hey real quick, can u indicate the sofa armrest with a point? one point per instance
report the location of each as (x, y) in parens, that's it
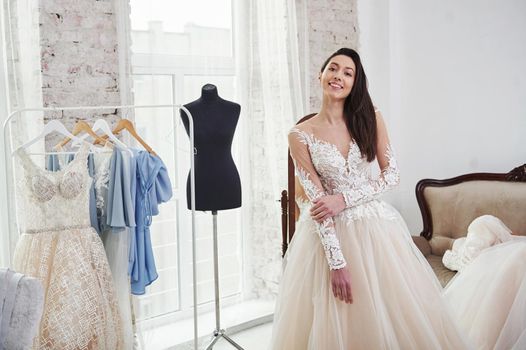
(422, 244)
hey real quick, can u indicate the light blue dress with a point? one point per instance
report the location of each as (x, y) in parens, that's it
(152, 187)
(120, 207)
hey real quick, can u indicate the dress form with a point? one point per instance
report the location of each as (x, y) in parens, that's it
(217, 182)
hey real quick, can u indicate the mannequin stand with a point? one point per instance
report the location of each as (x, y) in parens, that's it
(218, 332)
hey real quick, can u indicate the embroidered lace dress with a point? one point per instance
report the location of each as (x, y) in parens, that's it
(397, 302)
(58, 246)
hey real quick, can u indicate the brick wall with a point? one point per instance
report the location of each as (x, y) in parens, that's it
(331, 24)
(79, 59)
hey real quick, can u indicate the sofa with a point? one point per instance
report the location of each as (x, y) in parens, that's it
(449, 206)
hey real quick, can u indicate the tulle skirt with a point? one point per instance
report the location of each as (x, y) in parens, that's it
(488, 298)
(397, 300)
(80, 306)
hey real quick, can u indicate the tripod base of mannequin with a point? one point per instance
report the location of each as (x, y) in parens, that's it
(221, 334)
(218, 332)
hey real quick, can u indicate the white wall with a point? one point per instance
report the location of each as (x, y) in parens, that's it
(452, 76)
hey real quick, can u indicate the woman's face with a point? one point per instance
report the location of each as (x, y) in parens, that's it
(337, 78)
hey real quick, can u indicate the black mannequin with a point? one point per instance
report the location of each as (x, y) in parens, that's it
(217, 183)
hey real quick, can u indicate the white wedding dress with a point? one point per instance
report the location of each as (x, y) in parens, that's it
(398, 302)
(60, 248)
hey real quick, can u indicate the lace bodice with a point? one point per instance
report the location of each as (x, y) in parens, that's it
(322, 170)
(51, 201)
(350, 176)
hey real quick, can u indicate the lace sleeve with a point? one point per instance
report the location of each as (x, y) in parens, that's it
(313, 188)
(388, 179)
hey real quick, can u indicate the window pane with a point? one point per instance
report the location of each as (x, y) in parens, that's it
(156, 127)
(193, 85)
(179, 27)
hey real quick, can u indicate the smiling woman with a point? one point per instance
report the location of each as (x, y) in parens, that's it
(353, 277)
(366, 260)
(343, 75)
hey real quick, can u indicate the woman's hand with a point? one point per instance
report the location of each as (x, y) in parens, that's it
(327, 206)
(341, 285)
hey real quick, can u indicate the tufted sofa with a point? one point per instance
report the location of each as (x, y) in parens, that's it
(449, 206)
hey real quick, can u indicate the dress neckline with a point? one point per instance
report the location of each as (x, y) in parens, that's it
(22, 152)
(352, 143)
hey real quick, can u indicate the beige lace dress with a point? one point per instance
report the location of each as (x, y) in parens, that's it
(59, 247)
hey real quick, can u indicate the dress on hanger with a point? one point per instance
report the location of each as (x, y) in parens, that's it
(151, 187)
(397, 301)
(59, 247)
(112, 214)
(118, 219)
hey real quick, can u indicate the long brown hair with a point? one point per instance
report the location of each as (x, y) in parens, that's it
(358, 108)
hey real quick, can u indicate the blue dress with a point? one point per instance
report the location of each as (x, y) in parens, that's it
(120, 207)
(152, 187)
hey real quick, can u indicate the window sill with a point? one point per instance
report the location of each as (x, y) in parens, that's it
(179, 335)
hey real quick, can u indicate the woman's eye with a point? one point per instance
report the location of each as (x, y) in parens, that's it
(331, 69)
(348, 74)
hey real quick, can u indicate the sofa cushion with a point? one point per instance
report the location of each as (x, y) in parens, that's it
(439, 244)
(422, 244)
(444, 275)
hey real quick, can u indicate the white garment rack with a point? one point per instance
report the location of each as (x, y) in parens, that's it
(7, 154)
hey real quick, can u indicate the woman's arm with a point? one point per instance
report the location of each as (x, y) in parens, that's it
(309, 180)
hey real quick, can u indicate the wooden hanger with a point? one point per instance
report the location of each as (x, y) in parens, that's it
(126, 124)
(81, 126)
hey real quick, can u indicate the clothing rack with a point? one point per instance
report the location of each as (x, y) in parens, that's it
(8, 147)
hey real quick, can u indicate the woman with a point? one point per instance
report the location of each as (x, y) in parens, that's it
(367, 286)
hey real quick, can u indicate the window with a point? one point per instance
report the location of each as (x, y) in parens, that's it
(177, 47)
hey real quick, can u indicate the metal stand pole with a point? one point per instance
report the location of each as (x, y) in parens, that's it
(218, 332)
